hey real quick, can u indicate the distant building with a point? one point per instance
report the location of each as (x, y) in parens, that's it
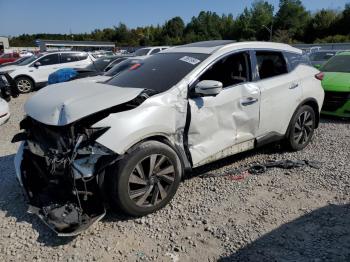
(74, 45)
(4, 43)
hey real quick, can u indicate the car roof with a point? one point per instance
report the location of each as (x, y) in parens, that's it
(210, 47)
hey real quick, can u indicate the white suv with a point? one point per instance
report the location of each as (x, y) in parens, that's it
(34, 71)
(129, 141)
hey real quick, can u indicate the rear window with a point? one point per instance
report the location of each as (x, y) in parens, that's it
(321, 56)
(159, 72)
(339, 63)
(271, 64)
(142, 52)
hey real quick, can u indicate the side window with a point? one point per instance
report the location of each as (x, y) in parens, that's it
(154, 51)
(67, 58)
(296, 59)
(271, 64)
(49, 60)
(230, 70)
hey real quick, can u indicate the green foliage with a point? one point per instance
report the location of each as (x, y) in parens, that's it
(292, 23)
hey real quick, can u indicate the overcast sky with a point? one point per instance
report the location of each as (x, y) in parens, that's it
(46, 16)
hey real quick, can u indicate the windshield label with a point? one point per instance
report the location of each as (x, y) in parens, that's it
(190, 60)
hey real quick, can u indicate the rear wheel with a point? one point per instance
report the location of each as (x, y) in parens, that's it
(301, 128)
(24, 84)
(146, 179)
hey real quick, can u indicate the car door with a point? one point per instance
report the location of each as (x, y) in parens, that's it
(227, 123)
(280, 92)
(48, 64)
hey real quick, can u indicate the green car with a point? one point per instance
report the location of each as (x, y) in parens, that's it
(336, 83)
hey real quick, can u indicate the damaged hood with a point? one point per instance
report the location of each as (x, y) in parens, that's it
(64, 103)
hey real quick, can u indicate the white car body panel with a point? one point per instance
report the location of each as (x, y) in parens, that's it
(4, 111)
(64, 103)
(218, 123)
(212, 134)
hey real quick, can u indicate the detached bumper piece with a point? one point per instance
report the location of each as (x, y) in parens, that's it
(67, 220)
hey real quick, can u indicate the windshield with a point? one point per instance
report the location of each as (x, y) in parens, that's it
(339, 63)
(159, 72)
(321, 56)
(29, 60)
(122, 66)
(142, 52)
(100, 64)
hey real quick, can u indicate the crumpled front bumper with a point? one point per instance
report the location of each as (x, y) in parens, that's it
(87, 223)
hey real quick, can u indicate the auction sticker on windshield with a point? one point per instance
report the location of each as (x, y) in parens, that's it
(190, 60)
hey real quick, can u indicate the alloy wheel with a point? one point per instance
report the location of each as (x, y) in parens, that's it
(24, 86)
(151, 180)
(303, 128)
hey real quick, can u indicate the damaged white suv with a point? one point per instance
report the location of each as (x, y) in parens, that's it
(127, 142)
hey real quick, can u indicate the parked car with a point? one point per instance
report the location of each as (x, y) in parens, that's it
(7, 91)
(25, 53)
(320, 57)
(97, 68)
(336, 83)
(16, 62)
(34, 72)
(129, 141)
(114, 71)
(4, 111)
(8, 57)
(146, 51)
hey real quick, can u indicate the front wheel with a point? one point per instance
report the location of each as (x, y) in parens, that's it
(24, 85)
(147, 179)
(301, 128)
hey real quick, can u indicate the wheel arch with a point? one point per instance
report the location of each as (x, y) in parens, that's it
(162, 138)
(27, 76)
(312, 102)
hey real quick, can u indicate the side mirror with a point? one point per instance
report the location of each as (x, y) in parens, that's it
(37, 64)
(208, 87)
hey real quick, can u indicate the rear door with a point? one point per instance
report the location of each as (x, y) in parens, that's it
(74, 60)
(227, 123)
(280, 92)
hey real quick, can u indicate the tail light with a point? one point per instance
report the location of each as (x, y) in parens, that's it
(319, 76)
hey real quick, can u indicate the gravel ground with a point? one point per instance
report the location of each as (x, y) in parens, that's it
(296, 215)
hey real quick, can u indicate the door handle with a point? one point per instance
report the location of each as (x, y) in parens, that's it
(294, 85)
(249, 101)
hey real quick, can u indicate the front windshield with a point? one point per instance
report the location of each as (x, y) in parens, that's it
(159, 72)
(100, 64)
(29, 60)
(142, 52)
(339, 63)
(122, 66)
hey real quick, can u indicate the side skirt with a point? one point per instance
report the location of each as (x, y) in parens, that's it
(232, 150)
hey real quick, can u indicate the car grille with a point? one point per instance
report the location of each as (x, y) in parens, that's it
(335, 100)
(55, 138)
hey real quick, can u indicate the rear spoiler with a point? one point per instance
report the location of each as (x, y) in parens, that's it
(8, 87)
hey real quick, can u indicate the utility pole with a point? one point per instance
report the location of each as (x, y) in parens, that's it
(269, 29)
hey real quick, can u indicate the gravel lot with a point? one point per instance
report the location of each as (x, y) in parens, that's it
(283, 215)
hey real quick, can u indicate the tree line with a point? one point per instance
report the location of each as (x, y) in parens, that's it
(292, 23)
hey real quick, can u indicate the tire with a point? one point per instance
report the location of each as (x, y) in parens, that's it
(301, 128)
(24, 84)
(133, 190)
